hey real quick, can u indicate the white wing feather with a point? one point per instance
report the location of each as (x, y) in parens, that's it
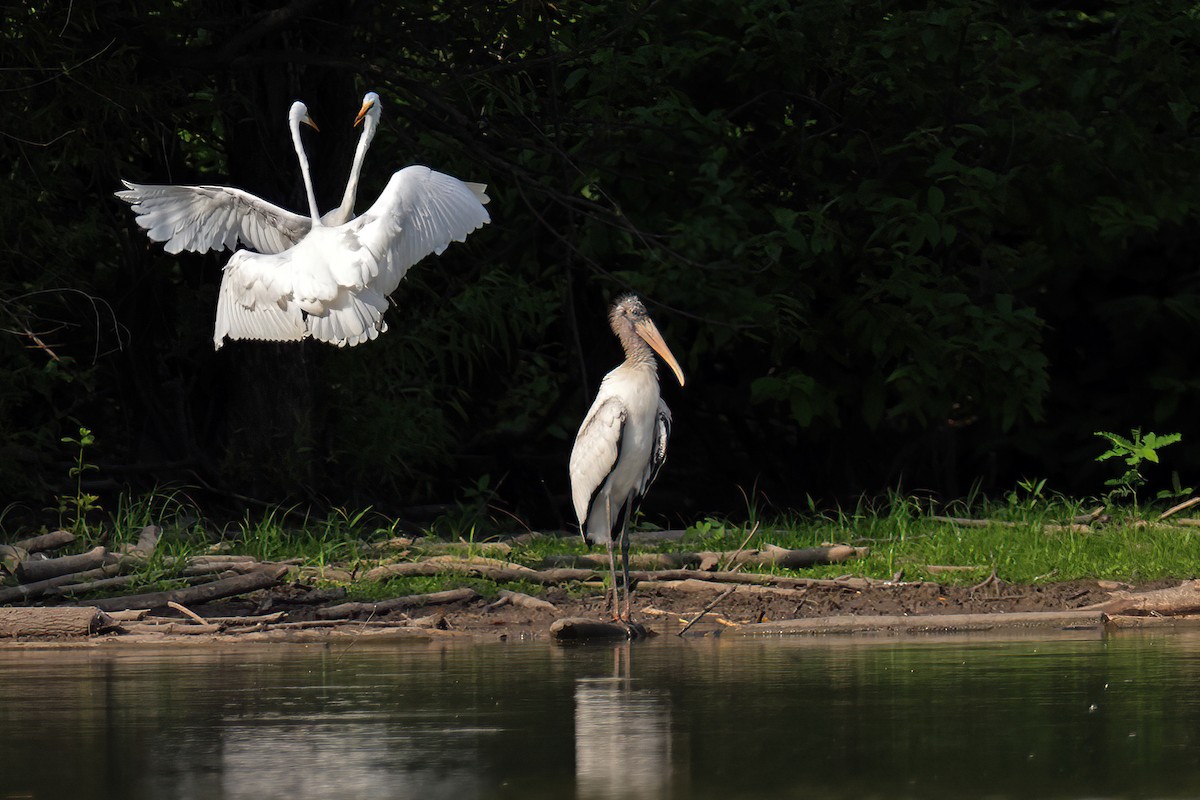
(336, 279)
(419, 212)
(597, 446)
(253, 305)
(203, 218)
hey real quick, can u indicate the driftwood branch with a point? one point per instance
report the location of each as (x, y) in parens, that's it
(967, 522)
(523, 600)
(573, 629)
(1186, 504)
(711, 605)
(52, 622)
(751, 579)
(477, 568)
(32, 570)
(47, 541)
(32, 591)
(710, 560)
(1172, 601)
(205, 592)
(926, 623)
(693, 586)
(346, 610)
(147, 541)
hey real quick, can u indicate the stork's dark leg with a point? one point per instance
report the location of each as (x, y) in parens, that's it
(625, 566)
(612, 571)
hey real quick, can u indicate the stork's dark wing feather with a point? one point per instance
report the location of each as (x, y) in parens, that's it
(662, 432)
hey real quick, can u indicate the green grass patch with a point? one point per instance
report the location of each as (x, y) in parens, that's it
(1025, 542)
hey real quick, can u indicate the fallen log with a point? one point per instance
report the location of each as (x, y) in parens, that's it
(1172, 601)
(346, 610)
(578, 629)
(46, 541)
(169, 628)
(1122, 622)
(693, 586)
(11, 557)
(459, 547)
(28, 591)
(68, 589)
(967, 522)
(523, 600)
(53, 622)
(205, 592)
(147, 541)
(707, 560)
(333, 623)
(752, 579)
(228, 622)
(507, 573)
(72, 589)
(30, 570)
(929, 623)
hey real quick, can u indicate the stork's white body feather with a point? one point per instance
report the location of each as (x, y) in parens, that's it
(622, 442)
(619, 448)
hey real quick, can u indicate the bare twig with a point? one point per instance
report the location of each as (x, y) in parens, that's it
(1177, 508)
(711, 605)
(182, 609)
(733, 558)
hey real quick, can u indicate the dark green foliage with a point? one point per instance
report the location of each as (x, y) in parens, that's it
(888, 242)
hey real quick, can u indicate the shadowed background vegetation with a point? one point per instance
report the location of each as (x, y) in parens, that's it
(916, 245)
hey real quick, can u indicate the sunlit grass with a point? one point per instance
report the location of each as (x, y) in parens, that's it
(1029, 540)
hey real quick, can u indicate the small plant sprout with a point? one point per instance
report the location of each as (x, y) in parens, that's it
(1135, 450)
(1033, 494)
(81, 503)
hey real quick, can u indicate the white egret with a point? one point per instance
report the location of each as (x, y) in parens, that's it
(622, 442)
(203, 218)
(336, 279)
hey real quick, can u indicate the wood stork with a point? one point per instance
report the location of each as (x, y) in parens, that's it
(203, 218)
(622, 442)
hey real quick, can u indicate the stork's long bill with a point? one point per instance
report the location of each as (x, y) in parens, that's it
(646, 329)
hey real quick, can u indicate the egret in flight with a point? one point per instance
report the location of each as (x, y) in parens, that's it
(622, 442)
(333, 283)
(203, 218)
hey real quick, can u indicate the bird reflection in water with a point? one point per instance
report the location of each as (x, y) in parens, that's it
(623, 742)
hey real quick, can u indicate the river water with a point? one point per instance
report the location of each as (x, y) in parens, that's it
(792, 718)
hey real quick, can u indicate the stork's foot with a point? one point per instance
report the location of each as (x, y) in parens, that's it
(633, 630)
(636, 630)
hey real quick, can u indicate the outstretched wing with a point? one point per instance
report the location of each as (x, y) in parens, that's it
(419, 212)
(255, 302)
(597, 447)
(203, 218)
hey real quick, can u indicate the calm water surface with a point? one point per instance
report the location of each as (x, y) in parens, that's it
(1085, 718)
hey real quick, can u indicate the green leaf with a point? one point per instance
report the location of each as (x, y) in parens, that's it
(937, 200)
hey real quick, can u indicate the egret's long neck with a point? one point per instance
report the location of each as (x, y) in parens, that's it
(346, 209)
(308, 185)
